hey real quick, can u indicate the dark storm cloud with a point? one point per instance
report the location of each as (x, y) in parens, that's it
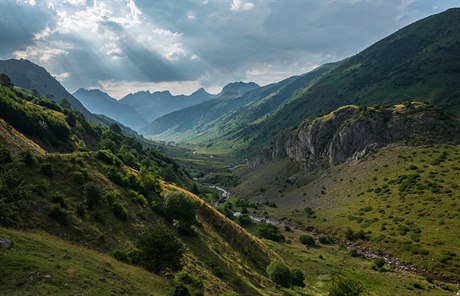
(210, 42)
(18, 24)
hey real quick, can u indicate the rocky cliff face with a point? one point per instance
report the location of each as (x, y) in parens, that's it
(353, 132)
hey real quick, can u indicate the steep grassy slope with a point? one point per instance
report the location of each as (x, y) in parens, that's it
(40, 264)
(99, 189)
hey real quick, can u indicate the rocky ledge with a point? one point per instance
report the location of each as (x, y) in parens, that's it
(352, 132)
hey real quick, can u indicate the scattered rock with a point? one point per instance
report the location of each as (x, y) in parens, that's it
(47, 276)
(6, 243)
(66, 256)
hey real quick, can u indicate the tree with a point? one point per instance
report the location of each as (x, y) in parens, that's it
(346, 287)
(279, 273)
(160, 250)
(177, 206)
(181, 210)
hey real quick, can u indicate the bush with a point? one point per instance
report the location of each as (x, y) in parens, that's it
(346, 287)
(137, 198)
(27, 158)
(194, 285)
(160, 250)
(244, 220)
(93, 194)
(307, 240)
(379, 262)
(47, 169)
(168, 174)
(5, 155)
(59, 214)
(297, 277)
(279, 273)
(119, 211)
(127, 256)
(115, 176)
(326, 239)
(309, 211)
(270, 232)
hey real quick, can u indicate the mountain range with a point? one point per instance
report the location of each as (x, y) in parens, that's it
(153, 105)
(417, 62)
(99, 102)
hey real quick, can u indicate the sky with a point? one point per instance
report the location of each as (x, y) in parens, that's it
(124, 46)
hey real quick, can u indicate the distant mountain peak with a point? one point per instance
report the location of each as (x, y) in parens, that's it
(200, 91)
(240, 86)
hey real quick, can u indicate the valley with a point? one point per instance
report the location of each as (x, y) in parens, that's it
(343, 180)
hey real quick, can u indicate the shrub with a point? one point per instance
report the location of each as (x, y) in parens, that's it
(279, 273)
(127, 256)
(307, 240)
(168, 174)
(244, 220)
(58, 214)
(5, 156)
(137, 198)
(81, 212)
(119, 211)
(79, 177)
(379, 262)
(160, 250)
(309, 211)
(194, 285)
(93, 194)
(59, 199)
(47, 169)
(115, 176)
(297, 277)
(326, 239)
(270, 232)
(346, 287)
(27, 158)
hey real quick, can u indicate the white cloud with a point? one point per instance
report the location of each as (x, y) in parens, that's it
(42, 52)
(165, 32)
(62, 76)
(43, 35)
(30, 2)
(75, 2)
(238, 5)
(191, 17)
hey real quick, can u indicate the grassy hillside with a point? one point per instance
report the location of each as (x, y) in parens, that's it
(99, 189)
(40, 264)
(405, 200)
